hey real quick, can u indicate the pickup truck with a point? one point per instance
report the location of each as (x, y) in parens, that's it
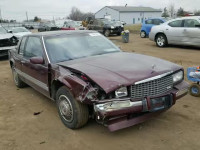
(90, 77)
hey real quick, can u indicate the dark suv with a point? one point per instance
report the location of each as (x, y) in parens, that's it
(106, 26)
(47, 26)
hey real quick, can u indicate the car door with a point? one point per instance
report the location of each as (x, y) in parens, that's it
(192, 32)
(35, 75)
(174, 32)
(148, 25)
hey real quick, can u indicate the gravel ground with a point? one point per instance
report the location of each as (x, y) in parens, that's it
(20, 129)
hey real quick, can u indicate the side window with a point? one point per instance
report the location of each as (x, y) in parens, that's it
(150, 21)
(191, 23)
(177, 23)
(33, 48)
(157, 21)
(22, 45)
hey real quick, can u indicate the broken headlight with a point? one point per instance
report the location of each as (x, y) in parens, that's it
(121, 92)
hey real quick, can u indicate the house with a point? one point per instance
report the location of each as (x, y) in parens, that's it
(128, 14)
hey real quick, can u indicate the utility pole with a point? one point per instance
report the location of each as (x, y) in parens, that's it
(26, 16)
(0, 14)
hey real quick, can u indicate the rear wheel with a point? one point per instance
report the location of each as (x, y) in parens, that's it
(18, 82)
(143, 34)
(194, 90)
(72, 113)
(161, 40)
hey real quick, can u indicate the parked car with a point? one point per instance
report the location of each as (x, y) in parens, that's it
(7, 41)
(47, 26)
(148, 24)
(72, 25)
(106, 27)
(180, 31)
(90, 77)
(20, 31)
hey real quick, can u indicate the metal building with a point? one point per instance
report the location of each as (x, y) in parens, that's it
(128, 14)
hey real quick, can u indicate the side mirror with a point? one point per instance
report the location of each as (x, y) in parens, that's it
(37, 60)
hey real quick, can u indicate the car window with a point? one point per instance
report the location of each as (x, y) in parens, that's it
(191, 23)
(157, 21)
(177, 23)
(150, 21)
(33, 48)
(22, 44)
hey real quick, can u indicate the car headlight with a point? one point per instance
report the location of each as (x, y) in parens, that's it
(121, 92)
(112, 27)
(178, 76)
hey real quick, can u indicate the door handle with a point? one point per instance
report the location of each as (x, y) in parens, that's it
(167, 29)
(185, 30)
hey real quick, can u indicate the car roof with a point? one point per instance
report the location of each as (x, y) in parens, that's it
(62, 32)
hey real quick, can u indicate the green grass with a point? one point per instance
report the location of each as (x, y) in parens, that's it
(133, 28)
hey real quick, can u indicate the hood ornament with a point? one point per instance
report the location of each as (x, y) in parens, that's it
(153, 68)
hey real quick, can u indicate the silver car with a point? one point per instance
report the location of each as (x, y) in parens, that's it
(180, 31)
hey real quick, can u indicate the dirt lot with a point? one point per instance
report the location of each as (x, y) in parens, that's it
(176, 129)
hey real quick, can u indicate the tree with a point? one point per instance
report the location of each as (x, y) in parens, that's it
(77, 15)
(172, 10)
(36, 19)
(165, 13)
(180, 12)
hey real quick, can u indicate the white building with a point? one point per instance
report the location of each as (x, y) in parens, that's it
(128, 14)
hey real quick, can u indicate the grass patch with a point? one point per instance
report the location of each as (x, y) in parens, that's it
(135, 28)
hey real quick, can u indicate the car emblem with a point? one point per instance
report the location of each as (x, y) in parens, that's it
(153, 68)
(169, 87)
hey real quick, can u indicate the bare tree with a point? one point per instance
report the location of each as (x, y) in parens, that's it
(165, 13)
(172, 10)
(180, 12)
(197, 12)
(77, 15)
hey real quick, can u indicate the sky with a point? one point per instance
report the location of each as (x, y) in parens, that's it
(49, 9)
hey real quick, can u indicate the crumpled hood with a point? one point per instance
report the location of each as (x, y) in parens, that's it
(6, 36)
(111, 71)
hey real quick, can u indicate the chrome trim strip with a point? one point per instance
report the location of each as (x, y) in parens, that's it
(7, 48)
(35, 81)
(153, 78)
(45, 50)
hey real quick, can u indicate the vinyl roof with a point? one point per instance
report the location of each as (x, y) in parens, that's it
(134, 9)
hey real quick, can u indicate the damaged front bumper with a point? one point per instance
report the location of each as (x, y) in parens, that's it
(119, 113)
(4, 50)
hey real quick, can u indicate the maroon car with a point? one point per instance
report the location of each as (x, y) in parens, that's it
(89, 77)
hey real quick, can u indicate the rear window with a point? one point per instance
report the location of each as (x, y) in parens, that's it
(177, 23)
(157, 21)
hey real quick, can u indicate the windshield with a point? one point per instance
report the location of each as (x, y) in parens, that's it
(2, 30)
(17, 30)
(69, 47)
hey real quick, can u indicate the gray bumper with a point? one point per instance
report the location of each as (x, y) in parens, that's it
(152, 36)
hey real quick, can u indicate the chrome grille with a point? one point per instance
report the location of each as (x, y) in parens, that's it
(152, 88)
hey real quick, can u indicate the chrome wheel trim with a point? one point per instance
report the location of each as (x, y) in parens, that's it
(107, 32)
(160, 41)
(65, 108)
(142, 34)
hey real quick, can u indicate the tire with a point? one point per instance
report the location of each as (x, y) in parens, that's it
(18, 82)
(194, 90)
(161, 40)
(143, 34)
(119, 33)
(73, 114)
(107, 33)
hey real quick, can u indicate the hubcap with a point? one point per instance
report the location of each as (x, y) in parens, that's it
(15, 76)
(142, 34)
(65, 108)
(107, 33)
(160, 41)
(195, 90)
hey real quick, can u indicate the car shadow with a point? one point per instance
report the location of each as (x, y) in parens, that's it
(185, 47)
(3, 58)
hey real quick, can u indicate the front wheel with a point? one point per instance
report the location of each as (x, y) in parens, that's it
(107, 33)
(194, 90)
(18, 82)
(72, 113)
(161, 40)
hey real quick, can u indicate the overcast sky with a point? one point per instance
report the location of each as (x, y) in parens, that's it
(15, 9)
